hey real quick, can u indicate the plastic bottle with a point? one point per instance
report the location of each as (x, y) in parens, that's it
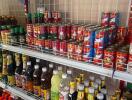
(91, 80)
(82, 77)
(78, 81)
(69, 73)
(29, 77)
(98, 81)
(50, 71)
(55, 84)
(95, 85)
(60, 72)
(37, 80)
(86, 86)
(64, 88)
(104, 92)
(45, 90)
(91, 94)
(80, 95)
(100, 96)
(103, 85)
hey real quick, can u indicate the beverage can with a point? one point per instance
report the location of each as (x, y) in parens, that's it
(68, 31)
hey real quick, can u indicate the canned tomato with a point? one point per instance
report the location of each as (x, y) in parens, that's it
(121, 34)
(62, 32)
(48, 44)
(35, 30)
(63, 47)
(47, 16)
(78, 51)
(105, 19)
(39, 43)
(30, 40)
(53, 30)
(109, 57)
(70, 49)
(98, 56)
(121, 59)
(74, 29)
(55, 46)
(30, 30)
(56, 16)
(80, 31)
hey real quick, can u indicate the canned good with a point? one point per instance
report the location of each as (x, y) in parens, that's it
(63, 47)
(62, 32)
(105, 19)
(48, 44)
(121, 59)
(30, 40)
(35, 30)
(68, 31)
(80, 31)
(40, 43)
(55, 46)
(109, 57)
(130, 63)
(53, 30)
(74, 29)
(70, 49)
(56, 16)
(47, 16)
(30, 30)
(121, 34)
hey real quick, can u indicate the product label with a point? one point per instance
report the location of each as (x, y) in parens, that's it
(86, 90)
(45, 94)
(81, 96)
(29, 85)
(23, 82)
(54, 96)
(11, 80)
(90, 97)
(37, 90)
(63, 95)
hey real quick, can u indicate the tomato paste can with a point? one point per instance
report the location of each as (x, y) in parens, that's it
(40, 43)
(47, 16)
(80, 31)
(122, 59)
(54, 30)
(35, 30)
(62, 32)
(105, 19)
(78, 51)
(74, 29)
(55, 46)
(30, 40)
(48, 44)
(98, 57)
(63, 47)
(70, 49)
(109, 57)
(30, 30)
(56, 16)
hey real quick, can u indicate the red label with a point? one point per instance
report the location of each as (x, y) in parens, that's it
(62, 32)
(63, 47)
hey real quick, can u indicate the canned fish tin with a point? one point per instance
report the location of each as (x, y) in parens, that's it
(55, 46)
(62, 32)
(63, 47)
(74, 29)
(109, 57)
(121, 59)
(70, 49)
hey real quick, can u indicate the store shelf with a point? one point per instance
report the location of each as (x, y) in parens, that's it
(18, 92)
(69, 62)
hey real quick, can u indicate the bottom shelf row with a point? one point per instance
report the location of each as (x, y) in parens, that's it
(50, 81)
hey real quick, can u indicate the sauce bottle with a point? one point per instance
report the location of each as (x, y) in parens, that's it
(100, 96)
(37, 80)
(91, 94)
(29, 77)
(91, 80)
(80, 95)
(73, 92)
(18, 71)
(45, 90)
(86, 85)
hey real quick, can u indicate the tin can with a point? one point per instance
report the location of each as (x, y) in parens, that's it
(74, 29)
(105, 19)
(47, 16)
(35, 30)
(121, 59)
(68, 31)
(40, 43)
(30, 40)
(130, 63)
(109, 57)
(80, 31)
(54, 30)
(48, 44)
(62, 32)
(121, 34)
(98, 57)
(56, 16)
(55, 46)
(30, 30)
(63, 47)
(78, 51)
(70, 49)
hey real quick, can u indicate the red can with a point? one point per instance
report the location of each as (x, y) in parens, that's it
(121, 59)
(62, 32)
(121, 34)
(74, 30)
(47, 16)
(130, 63)
(53, 30)
(105, 19)
(43, 29)
(68, 31)
(80, 31)
(35, 30)
(98, 58)
(109, 57)
(30, 40)
(48, 44)
(70, 49)
(30, 30)
(55, 46)
(63, 47)
(40, 42)
(56, 16)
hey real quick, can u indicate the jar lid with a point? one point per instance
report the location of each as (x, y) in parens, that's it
(59, 68)
(55, 72)
(37, 60)
(51, 65)
(69, 71)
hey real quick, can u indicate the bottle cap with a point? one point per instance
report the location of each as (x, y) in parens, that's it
(64, 75)
(104, 91)
(91, 90)
(98, 81)
(69, 71)
(51, 65)
(44, 69)
(37, 60)
(55, 72)
(95, 85)
(102, 77)
(81, 87)
(59, 68)
(92, 78)
(100, 96)
(36, 66)
(28, 63)
(86, 83)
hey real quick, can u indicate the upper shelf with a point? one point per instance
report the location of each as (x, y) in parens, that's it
(69, 62)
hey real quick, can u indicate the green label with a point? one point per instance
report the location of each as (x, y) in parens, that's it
(54, 96)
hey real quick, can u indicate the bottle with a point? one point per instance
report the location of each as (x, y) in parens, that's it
(38, 63)
(73, 91)
(113, 97)
(18, 71)
(100, 96)
(82, 77)
(37, 80)
(55, 83)
(45, 88)
(64, 88)
(98, 81)
(80, 95)
(60, 72)
(95, 85)
(118, 93)
(11, 70)
(50, 71)
(91, 94)
(104, 92)
(78, 81)
(103, 82)
(29, 77)
(86, 86)
(91, 80)
(23, 77)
